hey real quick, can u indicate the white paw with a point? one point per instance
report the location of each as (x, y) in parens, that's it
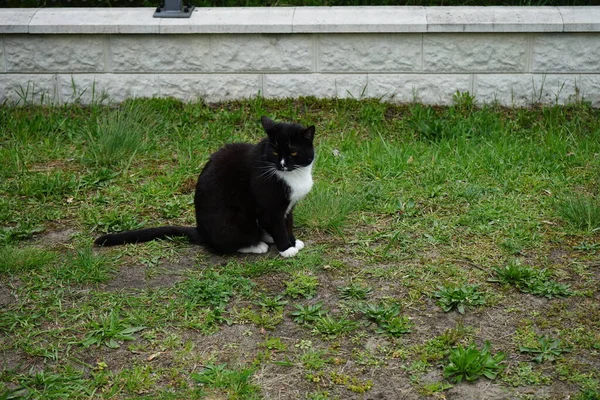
(290, 252)
(267, 238)
(260, 248)
(299, 244)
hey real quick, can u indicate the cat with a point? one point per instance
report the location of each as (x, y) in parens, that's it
(245, 195)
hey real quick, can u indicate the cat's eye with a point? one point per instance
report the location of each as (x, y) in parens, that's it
(275, 153)
(294, 154)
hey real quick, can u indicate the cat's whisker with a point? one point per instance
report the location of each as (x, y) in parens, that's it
(267, 172)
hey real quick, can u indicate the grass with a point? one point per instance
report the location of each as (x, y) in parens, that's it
(109, 331)
(581, 212)
(416, 210)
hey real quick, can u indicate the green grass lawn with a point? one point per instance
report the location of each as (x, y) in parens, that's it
(451, 252)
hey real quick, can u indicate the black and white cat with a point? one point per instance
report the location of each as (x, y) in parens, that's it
(245, 195)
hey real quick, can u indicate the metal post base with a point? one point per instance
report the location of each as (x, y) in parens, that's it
(173, 9)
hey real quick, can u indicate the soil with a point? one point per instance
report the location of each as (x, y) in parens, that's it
(390, 376)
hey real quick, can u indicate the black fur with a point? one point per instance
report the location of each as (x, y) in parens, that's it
(239, 194)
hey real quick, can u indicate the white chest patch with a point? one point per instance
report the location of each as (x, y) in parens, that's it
(300, 182)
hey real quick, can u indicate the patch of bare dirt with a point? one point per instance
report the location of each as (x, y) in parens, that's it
(6, 296)
(54, 238)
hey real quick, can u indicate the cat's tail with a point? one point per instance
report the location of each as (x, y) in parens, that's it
(148, 234)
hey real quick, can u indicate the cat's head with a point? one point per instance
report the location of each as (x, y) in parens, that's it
(289, 146)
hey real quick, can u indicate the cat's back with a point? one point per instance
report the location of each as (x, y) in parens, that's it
(230, 159)
(227, 174)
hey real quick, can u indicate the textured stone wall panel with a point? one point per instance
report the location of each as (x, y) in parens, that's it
(428, 89)
(50, 53)
(211, 88)
(265, 53)
(2, 64)
(474, 53)
(28, 89)
(370, 53)
(88, 88)
(168, 53)
(561, 53)
(527, 89)
(317, 85)
(590, 89)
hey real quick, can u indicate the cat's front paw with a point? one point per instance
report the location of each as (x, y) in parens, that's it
(299, 244)
(290, 252)
(260, 248)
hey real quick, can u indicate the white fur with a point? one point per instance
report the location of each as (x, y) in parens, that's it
(299, 244)
(300, 182)
(260, 248)
(290, 252)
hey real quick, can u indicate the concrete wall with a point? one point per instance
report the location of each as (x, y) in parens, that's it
(514, 56)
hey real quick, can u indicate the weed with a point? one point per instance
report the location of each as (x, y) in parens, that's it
(388, 318)
(514, 274)
(303, 284)
(307, 314)
(531, 280)
(314, 360)
(320, 395)
(523, 374)
(543, 286)
(271, 303)
(588, 394)
(546, 350)
(471, 363)
(331, 327)
(355, 291)
(395, 326)
(439, 347)
(266, 319)
(234, 383)
(274, 343)
(407, 208)
(380, 312)
(213, 289)
(459, 297)
(351, 383)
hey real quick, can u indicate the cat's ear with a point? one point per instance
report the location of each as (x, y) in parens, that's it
(268, 124)
(309, 133)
